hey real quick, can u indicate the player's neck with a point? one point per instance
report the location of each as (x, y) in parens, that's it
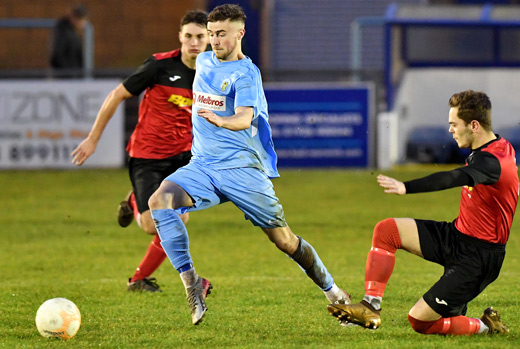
(236, 56)
(190, 63)
(483, 139)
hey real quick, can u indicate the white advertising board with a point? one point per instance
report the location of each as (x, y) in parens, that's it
(423, 95)
(42, 121)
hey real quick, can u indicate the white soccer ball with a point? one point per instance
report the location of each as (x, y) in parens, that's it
(58, 317)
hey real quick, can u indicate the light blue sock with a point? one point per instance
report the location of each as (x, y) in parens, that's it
(174, 236)
(310, 262)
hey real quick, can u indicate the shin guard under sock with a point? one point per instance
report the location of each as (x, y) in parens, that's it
(133, 204)
(381, 258)
(173, 235)
(457, 325)
(310, 262)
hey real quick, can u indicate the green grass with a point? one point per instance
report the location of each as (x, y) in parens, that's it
(60, 238)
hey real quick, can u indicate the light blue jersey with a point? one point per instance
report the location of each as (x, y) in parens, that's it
(222, 87)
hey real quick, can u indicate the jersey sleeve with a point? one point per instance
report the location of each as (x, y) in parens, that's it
(439, 181)
(246, 92)
(142, 78)
(483, 168)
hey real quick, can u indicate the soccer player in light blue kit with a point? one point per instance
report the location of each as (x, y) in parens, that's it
(233, 160)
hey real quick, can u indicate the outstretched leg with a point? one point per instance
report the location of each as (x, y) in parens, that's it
(307, 258)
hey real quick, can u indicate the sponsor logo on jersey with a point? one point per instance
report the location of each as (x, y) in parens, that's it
(208, 101)
(181, 101)
(174, 78)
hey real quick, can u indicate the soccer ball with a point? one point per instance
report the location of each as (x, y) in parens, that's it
(59, 318)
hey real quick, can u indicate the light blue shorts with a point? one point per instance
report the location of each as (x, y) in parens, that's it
(249, 188)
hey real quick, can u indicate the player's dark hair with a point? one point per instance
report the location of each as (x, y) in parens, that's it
(195, 16)
(473, 105)
(227, 11)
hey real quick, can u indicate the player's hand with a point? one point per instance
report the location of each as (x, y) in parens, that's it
(211, 117)
(391, 185)
(83, 151)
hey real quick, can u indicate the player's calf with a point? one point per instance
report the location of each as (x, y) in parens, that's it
(457, 325)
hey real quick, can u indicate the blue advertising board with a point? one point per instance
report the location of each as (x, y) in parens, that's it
(321, 127)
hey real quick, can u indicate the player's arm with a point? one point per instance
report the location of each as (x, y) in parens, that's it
(109, 107)
(482, 168)
(240, 121)
(434, 182)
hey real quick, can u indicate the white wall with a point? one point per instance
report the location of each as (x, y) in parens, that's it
(423, 96)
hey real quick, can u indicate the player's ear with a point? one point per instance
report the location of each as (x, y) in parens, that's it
(180, 36)
(241, 33)
(475, 125)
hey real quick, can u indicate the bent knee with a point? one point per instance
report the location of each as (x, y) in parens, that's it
(158, 200)
(420, 326)
(386, 235)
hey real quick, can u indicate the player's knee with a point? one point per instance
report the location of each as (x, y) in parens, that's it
(420, 326)
(153, 201)
(158, 200)
(386, 235)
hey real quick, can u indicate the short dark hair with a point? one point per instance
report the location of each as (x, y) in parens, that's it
(195, 16)
(227, 11)
(473, 105)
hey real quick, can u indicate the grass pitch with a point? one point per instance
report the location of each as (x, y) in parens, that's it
(60, 238)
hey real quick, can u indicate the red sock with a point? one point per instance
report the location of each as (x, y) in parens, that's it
(381, 258)
(151, 261)
(458, 325)
(133, 205)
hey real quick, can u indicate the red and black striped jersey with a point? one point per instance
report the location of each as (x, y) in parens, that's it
(487, 208)
(164, 127)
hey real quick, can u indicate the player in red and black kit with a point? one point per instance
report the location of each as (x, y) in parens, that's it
(161, 141)
(471, 248)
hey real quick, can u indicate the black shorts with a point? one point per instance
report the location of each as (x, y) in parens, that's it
(469, 264)
(147, 175)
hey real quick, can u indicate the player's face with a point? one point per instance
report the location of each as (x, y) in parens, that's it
(194, 39)
(225, 39)
(462, 133)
